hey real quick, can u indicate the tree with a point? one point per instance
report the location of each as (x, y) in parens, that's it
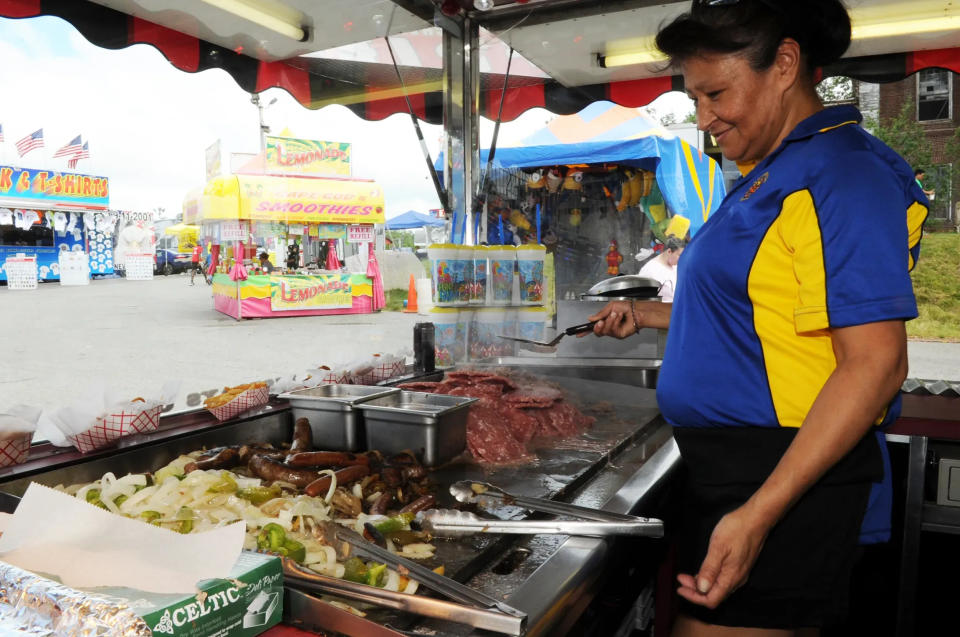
(904, 134)
(833, 90)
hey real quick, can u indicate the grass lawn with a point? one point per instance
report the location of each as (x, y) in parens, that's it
(936, 282)
(395, 299)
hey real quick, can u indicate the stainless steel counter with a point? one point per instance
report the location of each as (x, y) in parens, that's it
(619, 465)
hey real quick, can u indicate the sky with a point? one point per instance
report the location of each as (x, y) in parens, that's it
(148, 123)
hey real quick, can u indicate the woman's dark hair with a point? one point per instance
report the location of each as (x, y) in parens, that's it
(673, 244)
(755, 29)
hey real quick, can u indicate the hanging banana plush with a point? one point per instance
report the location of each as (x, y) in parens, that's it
(573, 180)
(518, 219)
(535, 180)
(636, 188)
(624, 200)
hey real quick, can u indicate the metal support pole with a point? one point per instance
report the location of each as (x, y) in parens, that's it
(460, 112)
(912, 524)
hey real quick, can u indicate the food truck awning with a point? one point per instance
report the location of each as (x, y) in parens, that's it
(291, 200)
(334, 52)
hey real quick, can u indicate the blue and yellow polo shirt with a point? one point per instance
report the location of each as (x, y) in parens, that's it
(820, 234)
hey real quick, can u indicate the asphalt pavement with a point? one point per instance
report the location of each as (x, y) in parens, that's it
(59, 344)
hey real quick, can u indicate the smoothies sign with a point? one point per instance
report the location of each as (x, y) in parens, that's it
(293, 200)
(28, 186)
(309, 157)
(310, 293)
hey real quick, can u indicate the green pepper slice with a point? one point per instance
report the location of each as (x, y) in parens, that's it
(399, 522)
(226, 484)
(271, 537)
(377, 575)
(259, 495)
(355, 570)
(295, 550)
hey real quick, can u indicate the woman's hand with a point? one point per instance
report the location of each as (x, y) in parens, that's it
(621, 319)
(615, 319)
(735, 543)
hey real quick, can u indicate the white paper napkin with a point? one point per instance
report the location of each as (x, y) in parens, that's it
(53, 533)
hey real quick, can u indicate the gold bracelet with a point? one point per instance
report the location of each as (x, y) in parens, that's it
(633, 313)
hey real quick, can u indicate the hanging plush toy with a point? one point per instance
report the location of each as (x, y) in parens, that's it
(554, 180)
(614, 259)
(624, 200)
(518, 219)
(636, 188)
(573, 180)
(535, 180)
(576, 217)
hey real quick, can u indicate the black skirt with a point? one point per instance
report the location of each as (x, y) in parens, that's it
(801, 578)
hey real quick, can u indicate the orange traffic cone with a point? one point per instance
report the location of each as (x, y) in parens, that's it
(411, 296)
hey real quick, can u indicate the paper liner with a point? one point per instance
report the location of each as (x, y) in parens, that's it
(245, 400)
(40, 605)
(110, 427)
(380, 372)
(15, 449)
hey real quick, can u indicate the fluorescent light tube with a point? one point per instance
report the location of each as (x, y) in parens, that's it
(906, 27)
(644, 56)
(865, 31)
(270, 15)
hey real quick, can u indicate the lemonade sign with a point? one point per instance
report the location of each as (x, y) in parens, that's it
(293, 156)
(310, 293)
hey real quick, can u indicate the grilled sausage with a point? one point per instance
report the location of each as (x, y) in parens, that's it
(224, 459)
(302, 436)
(391, 476)
(346, 475)
(420, 504)
(380, 506)
(269, 469)
(327, 459)
(249, 451)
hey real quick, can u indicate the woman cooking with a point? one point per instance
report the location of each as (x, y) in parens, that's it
(788, 320)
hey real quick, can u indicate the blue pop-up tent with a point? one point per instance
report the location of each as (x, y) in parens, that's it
(413, 219)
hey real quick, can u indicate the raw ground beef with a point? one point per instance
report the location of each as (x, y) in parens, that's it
(489, 438)
(426, 386)
(508, 414)
(522, 425)
(560, 420)
(491, 391)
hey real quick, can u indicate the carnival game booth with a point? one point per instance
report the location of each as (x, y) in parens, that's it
(596, 203)
(307, 226)
(52, 220)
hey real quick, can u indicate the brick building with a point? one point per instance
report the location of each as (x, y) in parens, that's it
(935, 97)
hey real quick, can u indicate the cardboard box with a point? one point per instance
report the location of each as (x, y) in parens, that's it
(247, 604)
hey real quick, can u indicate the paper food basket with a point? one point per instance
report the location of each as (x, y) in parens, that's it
(108, 428)
(15, 450)
(245, 400)
(380, 372)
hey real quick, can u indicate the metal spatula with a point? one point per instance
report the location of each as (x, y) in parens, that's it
(570, 331)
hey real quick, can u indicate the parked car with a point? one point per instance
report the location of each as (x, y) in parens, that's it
(169, 261)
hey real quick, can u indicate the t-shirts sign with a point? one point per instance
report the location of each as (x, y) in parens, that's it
(359, 234)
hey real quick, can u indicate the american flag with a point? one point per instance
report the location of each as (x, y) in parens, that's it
(72, 148)
(31, 141)
(83, 153)
(1, 132)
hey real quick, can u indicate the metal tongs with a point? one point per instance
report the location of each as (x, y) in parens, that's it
(447, 523)
(474, 608)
